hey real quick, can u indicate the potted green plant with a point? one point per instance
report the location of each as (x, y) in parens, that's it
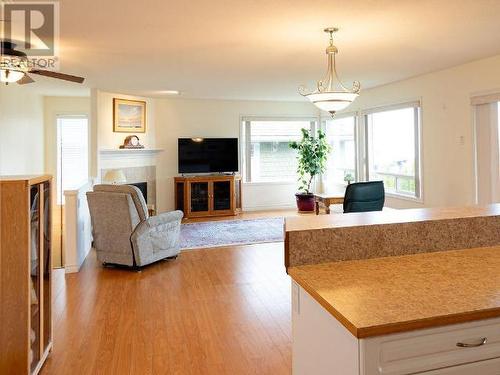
(348, 177)
(312, 155)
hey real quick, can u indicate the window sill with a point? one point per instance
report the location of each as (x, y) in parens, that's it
(270, 183)
(404, 197)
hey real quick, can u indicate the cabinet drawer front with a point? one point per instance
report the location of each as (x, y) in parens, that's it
(431, 349)
(491, 367)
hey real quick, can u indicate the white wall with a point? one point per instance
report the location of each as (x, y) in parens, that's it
(21, 131)
(77, 228)
(106, 138)
(103, 137)
(448, 152)
(178, 118)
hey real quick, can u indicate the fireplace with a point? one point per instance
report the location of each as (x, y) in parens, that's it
(143, 187)
(143, 177)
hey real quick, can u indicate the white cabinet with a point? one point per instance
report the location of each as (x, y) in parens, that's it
(321, 345)
(490, 367)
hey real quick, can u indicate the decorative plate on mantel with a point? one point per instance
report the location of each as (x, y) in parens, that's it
(131, 142)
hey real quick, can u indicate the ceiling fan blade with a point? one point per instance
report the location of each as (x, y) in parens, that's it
(51, 74)
(26, 79)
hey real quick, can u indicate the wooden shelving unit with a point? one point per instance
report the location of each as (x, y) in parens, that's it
(25, 273)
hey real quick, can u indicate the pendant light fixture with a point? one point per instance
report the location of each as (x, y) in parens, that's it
(331, 95)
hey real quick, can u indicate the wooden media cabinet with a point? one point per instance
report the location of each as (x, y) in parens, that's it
(212, 195)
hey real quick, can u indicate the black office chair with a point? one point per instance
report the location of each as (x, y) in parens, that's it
(364, 197)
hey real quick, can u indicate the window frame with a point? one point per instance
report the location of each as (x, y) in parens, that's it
(417, 107)
(361, 137)
(69, 115)
(245, 142)
(357, 141)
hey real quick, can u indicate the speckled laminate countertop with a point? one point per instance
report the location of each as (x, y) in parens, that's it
(372, 297)
(330, 238)
(414, 215)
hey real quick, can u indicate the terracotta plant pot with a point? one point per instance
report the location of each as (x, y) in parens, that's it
(305, 202)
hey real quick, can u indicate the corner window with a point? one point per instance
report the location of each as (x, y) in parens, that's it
(267, 157)
(393, 148)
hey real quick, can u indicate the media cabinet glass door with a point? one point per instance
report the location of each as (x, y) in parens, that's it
(199, 191)
(209, 198)
(46, 263)
(35, 280)
(222, 196)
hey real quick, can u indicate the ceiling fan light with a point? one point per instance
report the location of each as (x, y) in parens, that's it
(10, 76)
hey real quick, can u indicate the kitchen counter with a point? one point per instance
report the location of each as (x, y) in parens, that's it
(354, 236)
(381, 296)
(414, 215)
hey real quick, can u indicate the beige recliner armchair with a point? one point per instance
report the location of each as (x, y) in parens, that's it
(123, 231)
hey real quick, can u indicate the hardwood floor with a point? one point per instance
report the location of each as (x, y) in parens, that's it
(211, 311)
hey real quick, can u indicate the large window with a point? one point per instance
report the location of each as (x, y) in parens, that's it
(72, 153)
(379, 144)
(393, 149)
(267, 157)
(341, 164)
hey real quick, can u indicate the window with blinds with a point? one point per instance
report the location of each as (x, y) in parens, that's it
(72, 153)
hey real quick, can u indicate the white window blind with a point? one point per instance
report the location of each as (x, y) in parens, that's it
(72, 153)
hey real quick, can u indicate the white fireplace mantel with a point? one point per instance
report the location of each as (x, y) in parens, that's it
(121, 158)
(130, 151)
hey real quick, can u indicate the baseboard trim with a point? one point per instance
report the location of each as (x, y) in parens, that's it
(71, 268)
(269, 207)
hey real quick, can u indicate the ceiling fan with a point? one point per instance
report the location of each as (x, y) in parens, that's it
(15, 66)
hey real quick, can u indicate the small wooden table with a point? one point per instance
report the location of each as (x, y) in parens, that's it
(328, 198)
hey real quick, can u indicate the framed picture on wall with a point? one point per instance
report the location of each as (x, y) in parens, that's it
(129, 116)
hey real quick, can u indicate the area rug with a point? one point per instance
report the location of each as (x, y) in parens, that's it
(231, 232)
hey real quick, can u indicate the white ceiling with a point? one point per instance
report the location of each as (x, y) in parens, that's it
(264, 49)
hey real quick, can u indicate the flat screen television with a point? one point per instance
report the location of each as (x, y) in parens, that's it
(208, 155)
